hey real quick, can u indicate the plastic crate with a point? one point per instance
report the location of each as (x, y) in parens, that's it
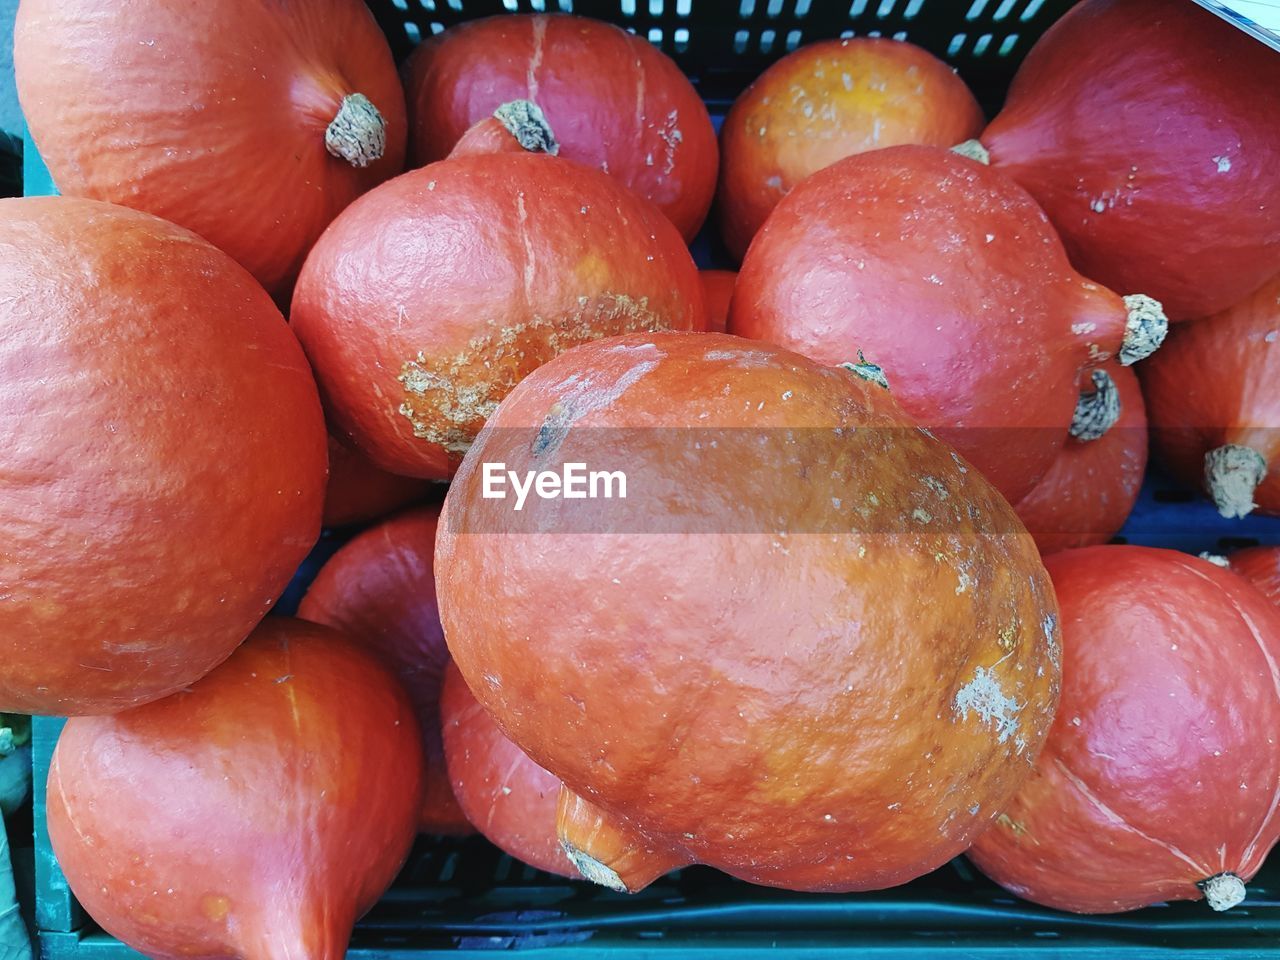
(463, 898)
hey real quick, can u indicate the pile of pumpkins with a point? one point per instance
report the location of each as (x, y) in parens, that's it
(814, 645)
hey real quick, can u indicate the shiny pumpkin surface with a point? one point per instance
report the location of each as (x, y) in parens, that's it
(948, 276)
(431, 296)
(826, 101)
(508, 797)
(164, 456)
(1091, 488)
(1162, 768)
(212, 115)
(358, 491)
(257, 814)
(1146, 130)
(380, 590)
(816, 653)
(1261, 567)
(614, 101)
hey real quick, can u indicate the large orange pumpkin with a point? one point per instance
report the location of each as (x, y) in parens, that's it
(380, 590)
(614, 100)
(431, 296)
(358, 491)
(1147, 131)
(948, 276)
(811, 647)
(258, 814)
(250, 123)
(1091, 488)
(1214, 407)
(1261, 567)
(717, 292)
(1161, 776)
(826, 101)
(163, 460)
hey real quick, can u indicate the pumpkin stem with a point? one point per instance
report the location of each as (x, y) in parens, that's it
(1222, 891)
(1217, 559)
(358, 132)
(974, 150)
(867, 370)
(1145, 329)
(607, 852)
(528, 124)
(1097, 410)
(1232, 473)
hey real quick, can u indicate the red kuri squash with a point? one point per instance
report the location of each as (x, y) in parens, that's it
(1214, 405)
(250, 123)
(805, 615)
(1091, 488)
(824, 102)
(163, 456)
(614, 100)
(358, 491)
(1261, 567)
(380, 590)
(1161, 775)
(1147, 131)
(431, 296)
(258, 814)
(717, 292)
(948, 276)
(509, 798)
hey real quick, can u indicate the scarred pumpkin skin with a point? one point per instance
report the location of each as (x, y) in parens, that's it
(826, 101)
(212, 115)
(163, 461)
(509, 798)
(1261, 567)
(1162, 767)
(798, 627)
(431, 296)
(379, 589)
(1091, 488)
(358, 491)
(1127, 124)
(1214, 408)
(258, 814)
(615, 101)
(948, 276)
(717, 291)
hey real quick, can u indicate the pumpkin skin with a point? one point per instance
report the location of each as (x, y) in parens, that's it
(826, 101)
(615, 101)
(142, 545)
(728, 697)
(717, 291)
(948, 276)
(1091, 488)
(431, 296)
(358, 491)
(319, 824)
(215, 115)
(1261, 567)
(1213, 405)
(510, 798)
(1161, 769)
(1127, 124)
(379, 589)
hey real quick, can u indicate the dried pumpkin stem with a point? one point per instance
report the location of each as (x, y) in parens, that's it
(358, 132)
(1145, 329)
(974, 150)
(1217, 559)
(1097, 410)
(1232, 474)
(528, 124)
(1223, 891)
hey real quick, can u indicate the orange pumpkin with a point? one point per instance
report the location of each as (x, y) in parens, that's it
(235, 818)
(806, 614)
(164, 456)
(717, 292)
(826, 101)
(251, 123)
(1261, 567)
(358, 491)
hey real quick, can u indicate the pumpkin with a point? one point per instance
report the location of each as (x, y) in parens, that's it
(1213, 405)
(509, 798)
(1161, 774)
(258, 814)
(358, 491)
(826, 101)
(1146, 130)
(947, 275)
(796, 620)
(250, 123)
(1261, 567)
(431, 296)
(717, 291)
(164, 456)
(616, 102)
(379, 589)
(1091, 488)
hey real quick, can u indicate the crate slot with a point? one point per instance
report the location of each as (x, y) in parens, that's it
(1007, 45)
(975, 11)
(957, 42)
(766, 40)
(793, 40)
(980, 45)
(885, 8)
(1032, 9)
(1002, 11)
(912, 8)
(858, 8)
